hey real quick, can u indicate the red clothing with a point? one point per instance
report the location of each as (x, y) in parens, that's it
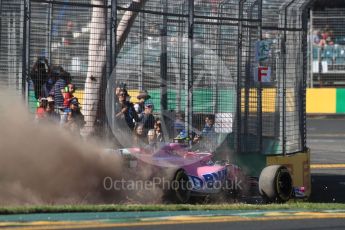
(40, 112)
(67, 99)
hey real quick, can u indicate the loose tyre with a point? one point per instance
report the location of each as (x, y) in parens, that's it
(275, 184)
(181, 187)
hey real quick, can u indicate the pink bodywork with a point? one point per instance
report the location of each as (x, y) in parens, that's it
(199, 166)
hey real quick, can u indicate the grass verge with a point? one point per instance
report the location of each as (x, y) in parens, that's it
(165, 207)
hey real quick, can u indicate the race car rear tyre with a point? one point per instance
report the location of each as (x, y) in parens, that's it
(275, 184)
(181, 187)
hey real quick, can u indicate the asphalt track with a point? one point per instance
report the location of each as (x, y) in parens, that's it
(278, 219)
(325, 138)
(315, 224)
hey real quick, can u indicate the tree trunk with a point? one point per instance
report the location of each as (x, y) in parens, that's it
(97, 56)
(97, 60)
(124, 26)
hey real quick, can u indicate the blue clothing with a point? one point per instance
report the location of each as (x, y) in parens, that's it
(46, 89)
(148, 120)
(128, 117)
(178, 127)
(56, 92)
(208, 131)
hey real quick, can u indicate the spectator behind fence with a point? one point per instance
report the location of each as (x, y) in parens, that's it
(68, 95)
(118, 88)
(152, 141)
(41, 109)
(158, 131)
(208, 129)
(125, 114)
(39, 75)
(63, 78)
(178, 125)
(57, 91)
(197, 142)
(316, 37)
(139, 137)
(47, 87)
(147, 117)
(140, 106)
(208, 132)
(75, 119)
(50, 114)
(325, 37)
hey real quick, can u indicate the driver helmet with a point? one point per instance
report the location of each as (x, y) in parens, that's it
(182, 137)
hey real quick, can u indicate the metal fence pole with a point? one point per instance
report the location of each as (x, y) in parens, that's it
(25, 51)
(142, 50)
(113, 32)
(164, 62)
(248, 71)
(50, 29)
(284, 55)
(257, 3)
(180, 62)
(303, 86)
(239, 74)
(303, 118)
(284, 82)
(259, 106)
(219, 62)
(0, 22)
(189, 110)
(311, 50)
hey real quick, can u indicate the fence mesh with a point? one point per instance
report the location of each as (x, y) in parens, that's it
(198, 60)
(327, 48)
(11, 37)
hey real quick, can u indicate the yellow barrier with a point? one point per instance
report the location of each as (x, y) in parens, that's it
(269, 100)
(321, 101)
(318, 100)
(80, 95)
(132, 93)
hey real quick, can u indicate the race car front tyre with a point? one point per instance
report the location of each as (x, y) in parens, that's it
(275, 184)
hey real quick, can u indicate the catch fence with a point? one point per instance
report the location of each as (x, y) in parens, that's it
(327, 48)
(242, 61)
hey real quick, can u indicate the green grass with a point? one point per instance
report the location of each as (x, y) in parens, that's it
(164, 207)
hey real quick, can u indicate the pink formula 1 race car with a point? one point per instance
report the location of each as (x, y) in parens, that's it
(194, 174)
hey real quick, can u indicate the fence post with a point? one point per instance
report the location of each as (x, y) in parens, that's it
(50, 29)
(311, 50)
(0, 21)
(284, 55)
(189, 109)
(25, 51)
(239, 74)
(142, 50)
(303, 93)
(164, 63)
(285, 74)
(305, 7)
(113, 32)
(259, 106)
(257, 3)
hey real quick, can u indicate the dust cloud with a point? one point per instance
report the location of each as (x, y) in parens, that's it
(44, 164)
